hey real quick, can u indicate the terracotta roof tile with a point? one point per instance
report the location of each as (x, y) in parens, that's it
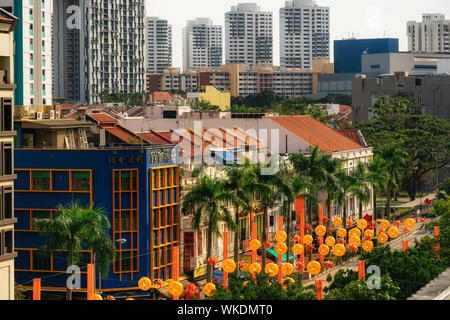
(352, 134)
(154, 138)
(121, 133)
(316, 133)
(102, 118)
(162, 96)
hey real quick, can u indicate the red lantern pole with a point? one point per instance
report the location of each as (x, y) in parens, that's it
(37, 289)
(405, 245)
(319, 291)
(361, 270)
(280, 256)
(321, 258)
(225, 257)
(254, 252)
(436, 231)
(300, 211)
(90, 280)
(175, 266)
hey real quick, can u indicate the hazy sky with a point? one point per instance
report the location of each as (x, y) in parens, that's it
(359, 18)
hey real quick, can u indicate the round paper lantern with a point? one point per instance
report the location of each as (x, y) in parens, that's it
(410, 223)
(385, 224)
(271, 269)
(367, 246)
(175, 288)
(297, 249)
(255, 268)
(229, 266)
(339, 250)
(324, 249)
(321, 230)
(280, 248)
(145, 284)
(254, 244)
(383, 238)
(330, 241)
(337, 222)
(313, 268)
(362, 224)
(280, 236)
(96, 296)
(307, 239)
(393, 232)
(287, 268)
(209, 289)
(342, 233)
(355, 232)
(354, 241)
(369, 234)
(286, 282)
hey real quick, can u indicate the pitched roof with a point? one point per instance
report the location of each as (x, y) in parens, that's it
(154, 137)
(102, 119)
(121, 133)
(354, 135)
(6, 17)
(162, 96)
(316, 133)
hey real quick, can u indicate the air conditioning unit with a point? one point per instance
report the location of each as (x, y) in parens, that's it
(38, 115)
(51, 114)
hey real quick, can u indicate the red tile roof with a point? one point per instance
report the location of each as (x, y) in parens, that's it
(154, 138)
(316, 133)
(343, 108)
(121, 133)
(352, 134)
(103, 119)
(162, 96)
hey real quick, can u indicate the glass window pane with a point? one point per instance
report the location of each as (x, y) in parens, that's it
(134, 180)
(125, 180)
(41, 180)
(116, 221)
(155, 258)
(41, 261)
(116, 181)
(81, 181)
(125, 220)
(126, 261)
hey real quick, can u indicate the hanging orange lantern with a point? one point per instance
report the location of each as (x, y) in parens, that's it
(362, 224)
(280, 248)
(96, 296)
(382, 237)
(307, 239)
(286, 282)
(254, 244)
(287, 268)
(280, 236)
(355, 232)
(342, 232)
(321, 230)
(367, 246)
(324, 249)
(410, 223)
(145, 284)
(228, 266)
(297, 249)
(354, 241)
(385, 224)
(330, 241)
(255, 268)
(369, 234)
(175, 288)
(313, 268)
(209, 289)
(339, 250)
(271, 269)
(393, 232)
(337, 222)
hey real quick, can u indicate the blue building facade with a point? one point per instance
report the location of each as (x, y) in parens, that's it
(347, 53)
(139, 191)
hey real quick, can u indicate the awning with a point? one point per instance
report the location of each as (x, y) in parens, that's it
(275, 254)
(218, 274)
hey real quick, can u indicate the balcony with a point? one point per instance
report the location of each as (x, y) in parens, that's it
(4, 82)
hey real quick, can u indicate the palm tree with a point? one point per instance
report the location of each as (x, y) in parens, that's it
(361, 188)
(346, 183)
(332, 166)
(74, 228)
(377, 176)
(207, 202)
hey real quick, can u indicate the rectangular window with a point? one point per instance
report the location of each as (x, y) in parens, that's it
(116, 181)
(81, 181)
(41, 180)
(7, 159)
(125, 180)
(125, 220)
(126, 261)
(199, 242)
(41, 261)
(39, 215)
(9, 242)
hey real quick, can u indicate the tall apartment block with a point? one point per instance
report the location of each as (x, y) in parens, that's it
(8, 23)
(202, 44)
(33, 58)
(248, 35)
(159, 45)
(304, 33)
(429, 36)
(99, 46)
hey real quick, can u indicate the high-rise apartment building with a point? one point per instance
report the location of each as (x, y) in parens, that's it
(99, 46)
(33, 58)
(202, 44)
(8, 23)
(159, 45)
(432, 35)
(248, 35)
(304, 33)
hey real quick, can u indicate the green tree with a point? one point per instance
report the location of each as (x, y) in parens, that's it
(444, 189)
(207, 202)
(76, 227)
(377, 176)
(361, 186)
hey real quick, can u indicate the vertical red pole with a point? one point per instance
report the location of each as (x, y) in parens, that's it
(175, 266)
(37, 289)
(319, 291)
(436, 231)
(405, 245)
(361, 270)
(90, 280)
(254, 252)
(300, 210)
(321, 257)
(280, 257)
(225, 257)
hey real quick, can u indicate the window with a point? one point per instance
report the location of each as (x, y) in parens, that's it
(81, 181)
(41, 180)
(6, 114)
(41, 261)
(125, 181)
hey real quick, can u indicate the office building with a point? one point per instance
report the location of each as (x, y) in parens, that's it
(248, 35)
(159, 45)
(202, 44)
(304, 33)
(432, 35)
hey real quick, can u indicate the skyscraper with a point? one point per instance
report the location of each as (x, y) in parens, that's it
(159, 45)
(304, 33)
(202, 44)
(99, 46)
(248, 35)
(429, 36)
(33, 58)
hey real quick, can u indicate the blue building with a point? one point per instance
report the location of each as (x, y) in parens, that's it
(137, 186)
(347, 53)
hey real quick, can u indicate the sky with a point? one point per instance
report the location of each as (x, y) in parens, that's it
(348, 18)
